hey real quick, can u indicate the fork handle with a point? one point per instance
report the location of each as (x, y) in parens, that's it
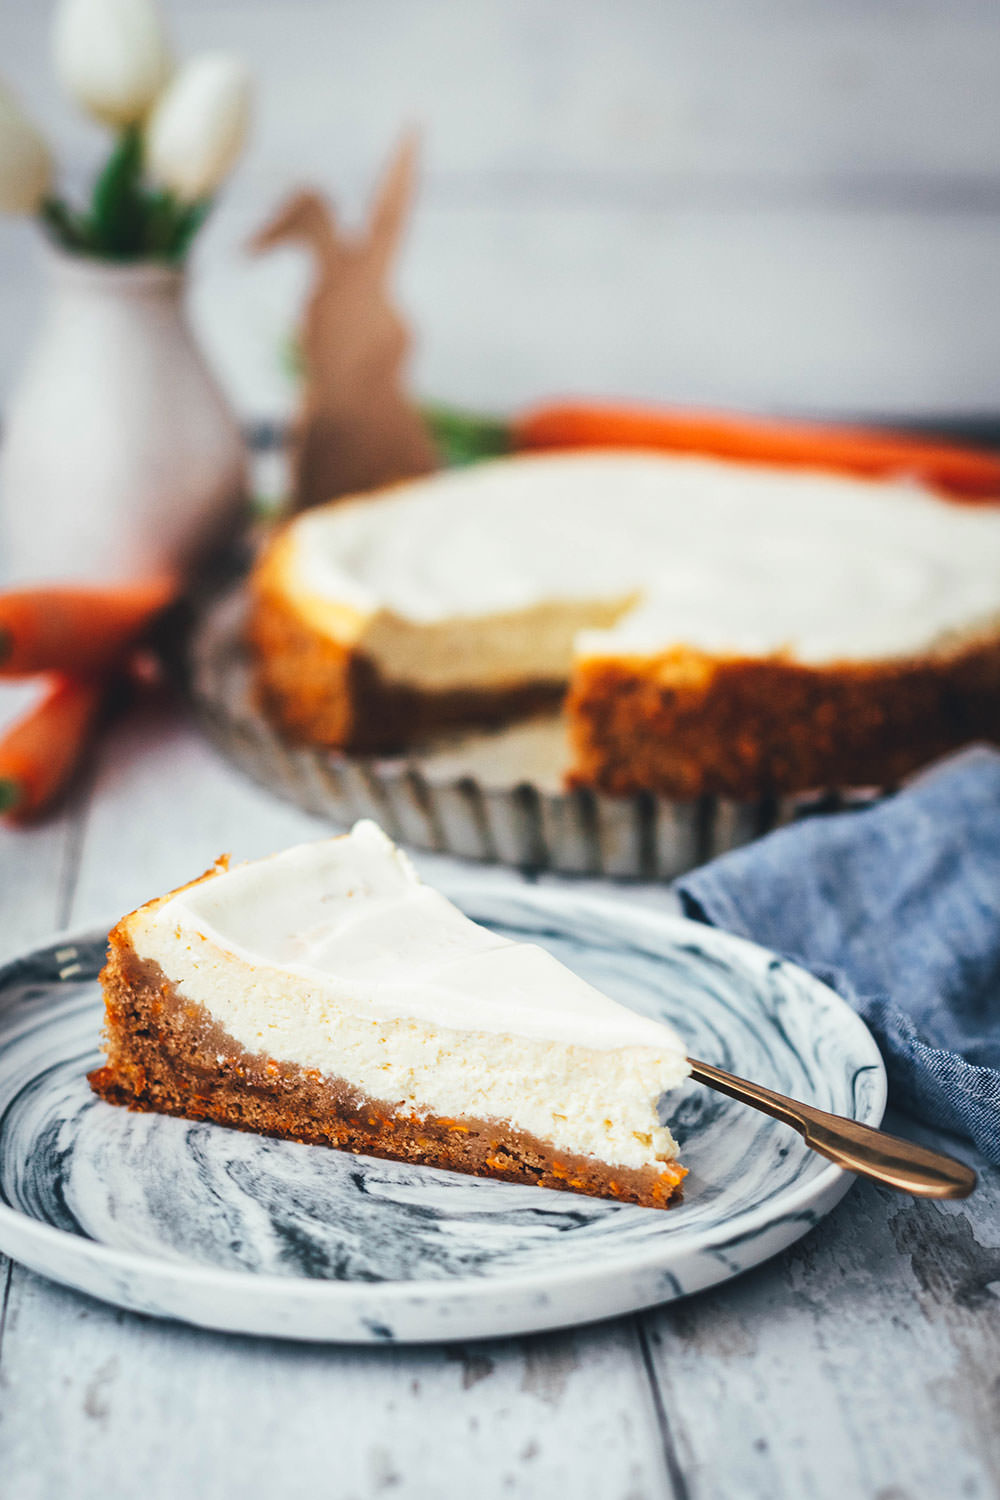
(855, 1147)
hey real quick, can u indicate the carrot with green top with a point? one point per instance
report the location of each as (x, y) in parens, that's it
(40, 752)
(77, 630)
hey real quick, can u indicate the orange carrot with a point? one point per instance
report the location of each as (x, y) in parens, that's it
(73, 629)
(39, 753)
(969, 473)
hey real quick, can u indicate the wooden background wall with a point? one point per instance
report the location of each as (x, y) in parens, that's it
(772, 203)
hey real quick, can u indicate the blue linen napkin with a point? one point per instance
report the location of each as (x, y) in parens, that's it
(898, 908)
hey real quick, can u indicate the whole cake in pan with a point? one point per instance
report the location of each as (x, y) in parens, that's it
(714, 627)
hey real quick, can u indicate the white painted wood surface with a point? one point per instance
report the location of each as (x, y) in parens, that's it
(863, 1362)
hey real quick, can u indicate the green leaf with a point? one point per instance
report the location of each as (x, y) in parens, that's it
(466, 437)
(189, 220)
(65, 226)
(160, 211)
(127, 219)
(118, 209)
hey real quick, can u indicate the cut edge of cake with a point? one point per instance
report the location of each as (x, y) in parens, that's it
(323, 688)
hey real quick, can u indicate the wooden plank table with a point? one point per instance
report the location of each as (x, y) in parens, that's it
(865, 1361)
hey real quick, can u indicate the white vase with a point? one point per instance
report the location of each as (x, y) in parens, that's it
(121, 457)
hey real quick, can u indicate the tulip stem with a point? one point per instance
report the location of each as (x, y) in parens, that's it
(118, 211)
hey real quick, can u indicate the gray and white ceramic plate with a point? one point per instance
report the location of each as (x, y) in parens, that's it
(252, 1235)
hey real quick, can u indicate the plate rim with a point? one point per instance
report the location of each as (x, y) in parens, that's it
(749, 1221)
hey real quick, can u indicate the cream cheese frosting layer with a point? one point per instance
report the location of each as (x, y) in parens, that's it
(501, 572)
(350, 918)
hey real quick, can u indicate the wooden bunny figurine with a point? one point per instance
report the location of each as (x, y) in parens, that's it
(356, 429)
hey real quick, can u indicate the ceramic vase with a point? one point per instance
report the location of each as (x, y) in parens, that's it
(121, 457)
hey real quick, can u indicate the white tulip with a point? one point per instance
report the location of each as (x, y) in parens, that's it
(111, 56)
(25, 163)
(199, 125)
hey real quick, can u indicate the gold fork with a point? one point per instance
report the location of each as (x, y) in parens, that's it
(855, 1147)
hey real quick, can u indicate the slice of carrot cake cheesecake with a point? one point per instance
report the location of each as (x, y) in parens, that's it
(327, 995)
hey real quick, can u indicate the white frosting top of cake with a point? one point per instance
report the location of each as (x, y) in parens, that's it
(654, 551)
(349, 918)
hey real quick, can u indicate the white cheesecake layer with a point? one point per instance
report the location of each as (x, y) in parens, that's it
(334, 956)
(502, 572)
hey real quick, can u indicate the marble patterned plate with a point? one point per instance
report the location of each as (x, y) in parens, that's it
(242, 1233)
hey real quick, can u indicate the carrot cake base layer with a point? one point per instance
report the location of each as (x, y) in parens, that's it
(168, 1055)
(685, 724)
